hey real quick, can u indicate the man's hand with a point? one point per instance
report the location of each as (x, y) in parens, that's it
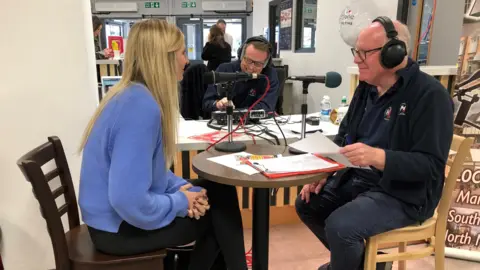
(222, 103)
(360, 154)
(310, 188)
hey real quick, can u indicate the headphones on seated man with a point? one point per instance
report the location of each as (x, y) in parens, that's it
(241, 50)
(395, 50)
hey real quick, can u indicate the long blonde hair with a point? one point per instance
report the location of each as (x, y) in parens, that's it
(150, 59)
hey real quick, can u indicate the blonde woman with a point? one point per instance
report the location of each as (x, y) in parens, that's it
(130, 200)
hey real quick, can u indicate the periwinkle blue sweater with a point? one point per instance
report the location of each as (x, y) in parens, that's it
(123, 175)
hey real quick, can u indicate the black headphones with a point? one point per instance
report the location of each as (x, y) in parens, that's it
(241, 50)
(395, 50)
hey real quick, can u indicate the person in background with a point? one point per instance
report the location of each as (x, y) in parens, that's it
(399, 125)
(216, 50)
(130, 200)
(254, 57)
(97, 29)
(223, 25)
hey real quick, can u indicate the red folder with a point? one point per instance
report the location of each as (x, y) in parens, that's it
(274, 175)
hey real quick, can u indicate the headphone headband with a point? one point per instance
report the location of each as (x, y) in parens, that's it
(388, 26)
(256, 39)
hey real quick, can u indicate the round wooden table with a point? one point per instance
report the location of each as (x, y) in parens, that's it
(261, 204)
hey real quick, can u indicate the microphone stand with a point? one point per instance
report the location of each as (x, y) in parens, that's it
(230, 146)
(304, 111)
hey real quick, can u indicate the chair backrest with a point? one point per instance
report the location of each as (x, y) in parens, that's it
(31, 166)
(461, 146)
(193, 90)
(282, 77)
(282, 74)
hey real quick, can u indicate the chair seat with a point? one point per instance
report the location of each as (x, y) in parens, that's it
(81, 250)
(410, 233)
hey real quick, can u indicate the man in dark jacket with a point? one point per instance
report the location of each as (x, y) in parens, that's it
(254, 58)
(400, 124)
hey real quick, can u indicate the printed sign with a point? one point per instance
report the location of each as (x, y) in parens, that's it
(152, 4)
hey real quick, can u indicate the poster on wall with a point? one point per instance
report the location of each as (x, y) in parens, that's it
(463, 221)
(286, 16)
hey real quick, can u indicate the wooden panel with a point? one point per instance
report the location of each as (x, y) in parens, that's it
(103, 70)
(240, 195)
(280, 197)
(193, 175)
(250, 198)
(293, 195)
(416, 38)
(444, 81)
(177, 169)
(113, 68)
(353, 85)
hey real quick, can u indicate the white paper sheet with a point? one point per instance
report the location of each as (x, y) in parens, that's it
(298, 163)
(317, 143)
(232, 162)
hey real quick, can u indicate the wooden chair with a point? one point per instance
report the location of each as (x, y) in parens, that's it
(73, 250)
(433, 229)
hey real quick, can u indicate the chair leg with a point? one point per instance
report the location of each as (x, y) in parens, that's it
(440, 255)
(402, 247)
(371, 254)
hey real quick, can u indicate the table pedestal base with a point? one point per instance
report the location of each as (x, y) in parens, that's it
(261, 216)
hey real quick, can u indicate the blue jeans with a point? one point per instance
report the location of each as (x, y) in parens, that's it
(342, 217)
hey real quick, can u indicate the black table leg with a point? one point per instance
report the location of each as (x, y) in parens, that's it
(261, 215)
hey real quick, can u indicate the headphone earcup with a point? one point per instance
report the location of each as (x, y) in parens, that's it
(393, 53)
(239, 52)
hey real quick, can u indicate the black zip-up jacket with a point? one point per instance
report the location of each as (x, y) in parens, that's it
(421, 132)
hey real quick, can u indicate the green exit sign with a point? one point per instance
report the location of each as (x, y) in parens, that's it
(307, 10)
(189, 4)
(152, 4)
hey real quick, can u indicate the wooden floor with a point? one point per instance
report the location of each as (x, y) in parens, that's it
(294, 247)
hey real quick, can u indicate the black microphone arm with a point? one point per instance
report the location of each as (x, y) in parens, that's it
(213, 77)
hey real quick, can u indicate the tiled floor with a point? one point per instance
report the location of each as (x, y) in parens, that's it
(294, 247)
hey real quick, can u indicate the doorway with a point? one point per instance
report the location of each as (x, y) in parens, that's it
(196, 32)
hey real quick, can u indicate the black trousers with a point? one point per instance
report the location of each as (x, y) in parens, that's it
(220, 231)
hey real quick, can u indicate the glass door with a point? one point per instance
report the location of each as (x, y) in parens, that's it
(235, 28)
(192, 30)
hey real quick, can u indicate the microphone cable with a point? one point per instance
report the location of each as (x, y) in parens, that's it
(242, 119)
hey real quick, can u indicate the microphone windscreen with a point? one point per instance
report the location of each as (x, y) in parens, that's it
(333, 79)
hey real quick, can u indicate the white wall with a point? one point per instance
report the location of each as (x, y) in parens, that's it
(259, 16)
(47, 87)
(331, 54)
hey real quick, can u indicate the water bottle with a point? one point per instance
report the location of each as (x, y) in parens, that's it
(325, 109)
(344, 102)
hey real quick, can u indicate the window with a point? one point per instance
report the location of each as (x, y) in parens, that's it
(306, 25)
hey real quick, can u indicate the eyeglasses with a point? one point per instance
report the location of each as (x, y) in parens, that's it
(363, 54)
(255, 63)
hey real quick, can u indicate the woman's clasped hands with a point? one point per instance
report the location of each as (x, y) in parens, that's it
(197, 201)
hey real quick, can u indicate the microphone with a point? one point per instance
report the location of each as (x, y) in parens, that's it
(331, 80)
(213, 77)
